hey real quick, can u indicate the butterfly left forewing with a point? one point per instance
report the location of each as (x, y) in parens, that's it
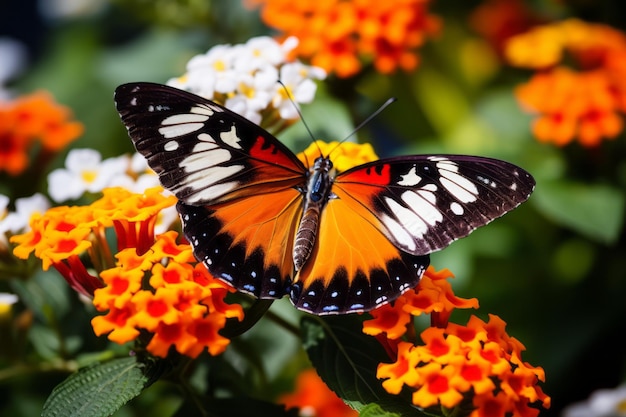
(423, 203)
(238, 186)
(203, 152)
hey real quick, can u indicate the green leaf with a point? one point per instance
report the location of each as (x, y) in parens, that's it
(346, 360)
(374, 410)
(46, 293)
(596, 211)
(101, 389)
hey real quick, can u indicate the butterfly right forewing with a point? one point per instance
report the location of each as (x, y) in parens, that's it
(423, 203)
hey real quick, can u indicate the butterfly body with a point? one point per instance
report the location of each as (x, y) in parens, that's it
(334, 242)
(316, 195)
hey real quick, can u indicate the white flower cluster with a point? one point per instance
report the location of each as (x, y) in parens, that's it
(13, 222)
(85, 171)
(601, 403)
(244, 78)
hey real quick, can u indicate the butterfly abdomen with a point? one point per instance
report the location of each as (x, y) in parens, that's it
(317, 192)
(305, 236)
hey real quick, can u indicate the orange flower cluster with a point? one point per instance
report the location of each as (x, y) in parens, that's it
(153, 284)
(313, 397)
(62, 234)
(585, 103)
(181, 304)
(477, 364)
(433, 295)
(338, 35)
(30, 118)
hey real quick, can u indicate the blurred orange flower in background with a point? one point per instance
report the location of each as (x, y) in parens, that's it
(27, 119)
(498, 20)
(340, 36)
(315, 399)
(585, 102)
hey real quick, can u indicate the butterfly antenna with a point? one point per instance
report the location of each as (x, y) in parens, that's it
(306, 126)
(364, 122)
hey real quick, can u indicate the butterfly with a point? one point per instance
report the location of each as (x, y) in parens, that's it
(334, 242)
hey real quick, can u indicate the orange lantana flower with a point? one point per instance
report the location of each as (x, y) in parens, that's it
(29, 119)
(433, 295)
(173, 305)
(152, 289)
(477, 363)
(585, 102)
(340, 35)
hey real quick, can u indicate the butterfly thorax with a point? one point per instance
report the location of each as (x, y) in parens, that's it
(317, 193)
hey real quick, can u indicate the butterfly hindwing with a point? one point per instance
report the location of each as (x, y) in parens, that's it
(203, 152)
(246, 242)
(423, 203)
(353, 267)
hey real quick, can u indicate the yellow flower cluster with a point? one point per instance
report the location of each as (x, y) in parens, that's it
(345, 155)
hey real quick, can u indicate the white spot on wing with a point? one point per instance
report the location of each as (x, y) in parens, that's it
(460, 187)
(210, 193)
(426, 210)
(456, 185)
(231, 138)
(398, 232)
(185, 118)
(174, 131)
(205, 110)
(428, 195)
(457, 208)
(410, 178)
(407, 219)
(208, 177)
(181, 124)
(172, 145)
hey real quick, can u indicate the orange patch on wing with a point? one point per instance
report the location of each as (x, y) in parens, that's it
(349, 237)
(265, 221)
(264, 178)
